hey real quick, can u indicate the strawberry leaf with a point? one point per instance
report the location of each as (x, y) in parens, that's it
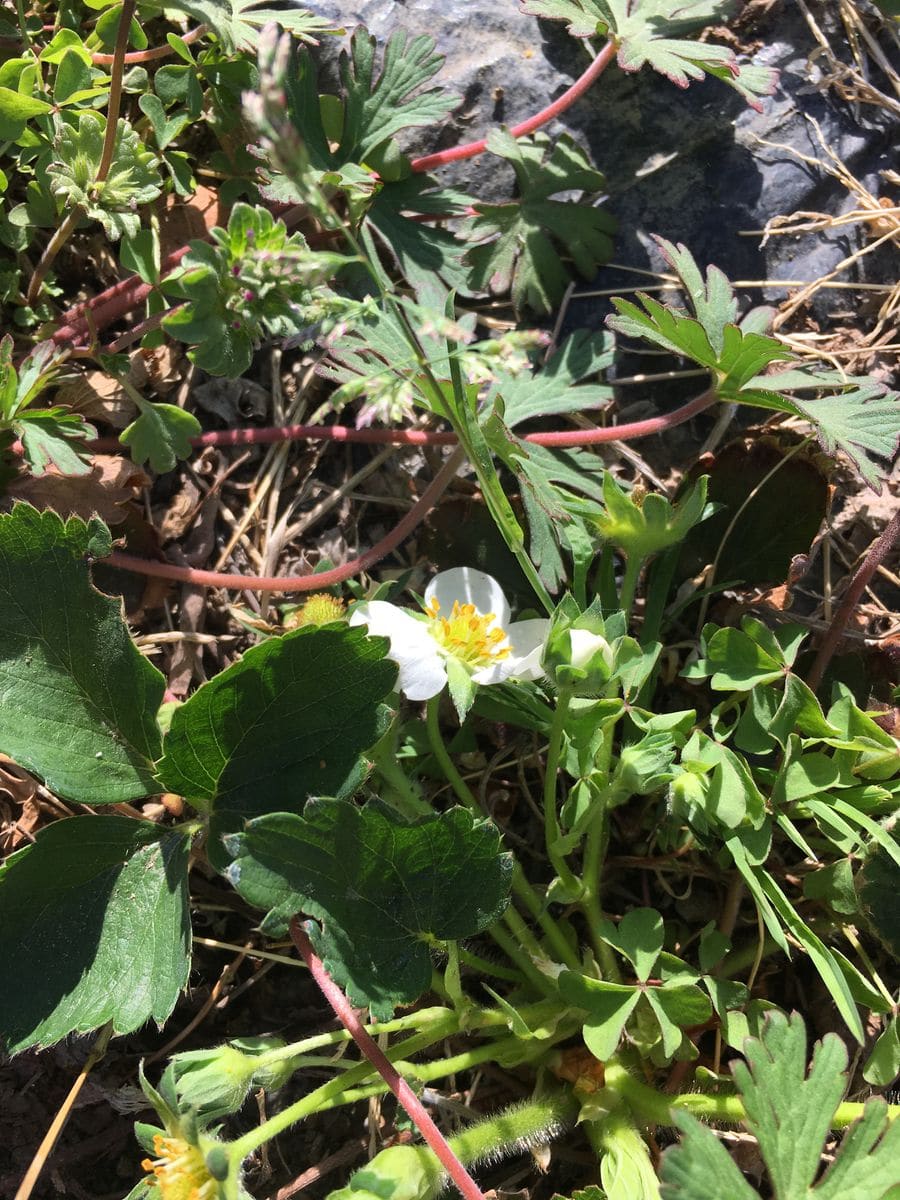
(382, 889)
(520, 242)
(646, 34)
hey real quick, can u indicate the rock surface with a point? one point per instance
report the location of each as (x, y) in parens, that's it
(687, 164)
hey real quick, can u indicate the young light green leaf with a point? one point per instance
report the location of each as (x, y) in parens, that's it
(380, 888)
(609, 1005)
(161, 435)
(288, 721)
(79, 701)
(519, 242)
(109, 939)
(790, 1111)
(133, 176)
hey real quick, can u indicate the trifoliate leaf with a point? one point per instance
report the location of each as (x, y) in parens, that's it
(380, 888)
(522, 253)
(78, 701)
(646, 32)
(288, 721)
(161, 435)
(95, 917)
(790, 1111)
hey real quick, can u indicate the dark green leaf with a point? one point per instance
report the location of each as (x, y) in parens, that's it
(379, 887)
(79, 701)
(522, 253)
(286, 722)
(551, 390)
(95, 917)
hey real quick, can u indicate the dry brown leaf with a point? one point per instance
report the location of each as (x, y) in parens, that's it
(111, 483)
(181, 221)
(20, 812)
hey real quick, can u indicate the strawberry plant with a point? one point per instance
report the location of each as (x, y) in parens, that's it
(331, 789)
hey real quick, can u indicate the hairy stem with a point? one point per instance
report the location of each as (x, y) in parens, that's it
(552, 831)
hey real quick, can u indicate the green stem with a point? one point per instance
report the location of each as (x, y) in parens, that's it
(461, 789)
(514, 952)
(511, 1051)
(654, 1108)
(552, 831)
(476, 963)
(556, 938)
(464, 793)
(629, 583)
(595, 847)
(238, 1150)
(404, 794)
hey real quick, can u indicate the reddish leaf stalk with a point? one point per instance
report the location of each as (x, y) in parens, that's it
(431, 162)
(559, 438)
(312, 582)
(875, 556)
(142, 56)
(124, 297)
(376, 1056)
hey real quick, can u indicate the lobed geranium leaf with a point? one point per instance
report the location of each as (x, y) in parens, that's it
(95, 917)
(519, 242)
(645, 32)
(288, 721)
(237, 23)
(380, 887)
(557, 386)
(161, 435)
(78, 702)
(789, 1109)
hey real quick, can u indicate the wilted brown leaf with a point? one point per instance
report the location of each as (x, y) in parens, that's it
(103, 492)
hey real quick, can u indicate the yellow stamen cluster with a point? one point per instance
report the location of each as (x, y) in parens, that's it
(466, 634)
(180, 1170)
(319, 609)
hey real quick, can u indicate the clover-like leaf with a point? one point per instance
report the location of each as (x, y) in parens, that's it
(381, 888)
(790, 1109)
(646, 33)
(133, 177)
(95, 917)
(78, 701)
(519, 242)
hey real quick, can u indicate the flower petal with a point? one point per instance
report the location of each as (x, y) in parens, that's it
(469, 586)
(527, 640)
(421, 669)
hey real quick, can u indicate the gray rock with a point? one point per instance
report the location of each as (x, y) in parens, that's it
(686, 164)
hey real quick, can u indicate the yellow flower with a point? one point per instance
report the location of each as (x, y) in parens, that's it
(179, 1170)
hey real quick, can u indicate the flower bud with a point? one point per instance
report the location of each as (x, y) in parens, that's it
(578, 659)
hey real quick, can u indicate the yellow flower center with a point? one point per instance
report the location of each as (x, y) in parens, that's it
(466, 634)
(180, 1170)
(320, 609)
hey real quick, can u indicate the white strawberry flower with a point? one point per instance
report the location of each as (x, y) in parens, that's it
(466, 620)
